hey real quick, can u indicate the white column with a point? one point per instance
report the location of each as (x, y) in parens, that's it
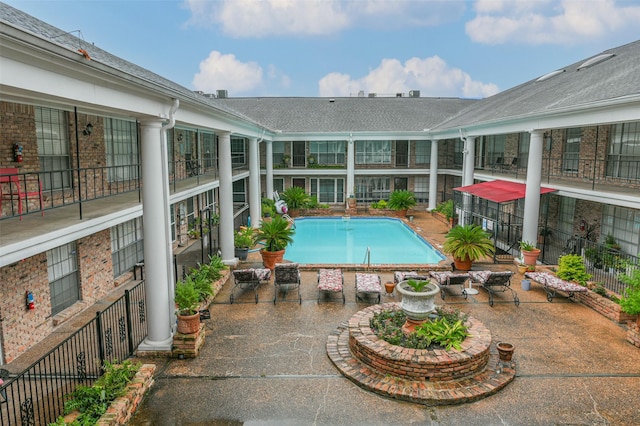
(433, 176)
(154, 209)
(254, 183)
(226, 198)
(532, 193)
(269, 170)
(351, 167)
(467, 174)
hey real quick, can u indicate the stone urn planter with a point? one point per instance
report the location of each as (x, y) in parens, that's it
(417, 305)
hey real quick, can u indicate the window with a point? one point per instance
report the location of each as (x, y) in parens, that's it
(421, 188)
(623, 224)
(278, 185)
(371, 189)
(327, 152)
(238, 156)
(120, 138)
(571, 153)
(62, 268)
(126, 246)
(423, 152)
(278, 152)
(624, 151)
(53, 148)
(328, 190)
(373, 152)
(208, 150)
(458, 155)
(567, 215)
(239, 192)
(495, 149)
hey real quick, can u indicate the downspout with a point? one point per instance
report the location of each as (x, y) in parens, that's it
(165, 178)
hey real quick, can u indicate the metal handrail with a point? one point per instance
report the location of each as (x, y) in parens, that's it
(367, 257)
(290, 219)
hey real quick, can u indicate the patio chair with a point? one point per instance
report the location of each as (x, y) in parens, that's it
(19, 188)
(446, 279)
(330, 281)
(552, 284)
(495, 282)
(249, 279)
(368, 284)
(287, 277)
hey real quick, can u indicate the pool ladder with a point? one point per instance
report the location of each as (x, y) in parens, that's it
(290, 219)
(367, 257)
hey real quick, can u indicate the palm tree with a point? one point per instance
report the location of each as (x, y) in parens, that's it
(467, 244)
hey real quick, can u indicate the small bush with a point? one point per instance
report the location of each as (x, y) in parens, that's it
(571, 268)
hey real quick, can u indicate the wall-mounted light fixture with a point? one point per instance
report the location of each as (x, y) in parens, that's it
(88, 129)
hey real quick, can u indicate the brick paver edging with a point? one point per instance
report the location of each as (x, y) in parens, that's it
(476, 368)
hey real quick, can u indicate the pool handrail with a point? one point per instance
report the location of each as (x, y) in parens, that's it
(367, 257)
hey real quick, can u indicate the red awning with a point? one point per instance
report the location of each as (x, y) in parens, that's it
(499, 191)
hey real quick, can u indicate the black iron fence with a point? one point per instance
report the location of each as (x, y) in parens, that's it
(36, 396)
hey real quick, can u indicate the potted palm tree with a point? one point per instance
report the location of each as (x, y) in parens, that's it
(276, 235)
(187, 301)
(466, 244)
(401, 201)
(296, 199)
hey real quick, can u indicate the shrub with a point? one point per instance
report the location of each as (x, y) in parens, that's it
(401, 200)
(571, 268)
(382, 204)
(630, 302)
(446, 208)
(295, 197)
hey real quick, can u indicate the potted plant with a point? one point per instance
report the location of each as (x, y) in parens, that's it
(187, 300)
(285, 160)
(243, 241)
(529, 252)
(417, 299)
(311, 160)
(466, 244)
(276, 235)
(351, 201)
(296, 198)
(401, 201)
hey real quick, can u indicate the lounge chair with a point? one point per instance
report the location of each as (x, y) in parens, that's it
(287, 277)
(399, 276)
(368, 284)
(495, 282)
(446, 279)
(551, 284)
(249, 279)
(330, 281)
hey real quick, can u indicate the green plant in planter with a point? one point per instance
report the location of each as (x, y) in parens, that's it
(382, 204)
(417, 286)
(401, 200)
(275, 234)
(295, 197)
(268, 207)
(468, 243)
(446, 334)
(527, 246)
(630, 302)
(571, 268)
(187, 298)
(243, 238)
(447, 209)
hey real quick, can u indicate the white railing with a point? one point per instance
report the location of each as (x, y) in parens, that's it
(367, 257)
(290, 219)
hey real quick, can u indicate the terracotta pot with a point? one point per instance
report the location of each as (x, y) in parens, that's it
(189, 324)
(462, 265)
(388, 287)
(530, 256)
(270, 258)
(505, 350)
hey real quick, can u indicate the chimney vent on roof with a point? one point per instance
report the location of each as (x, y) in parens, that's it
(372, 95)
(222, 94)
(361, 94)
(414, 93)
(398, 95)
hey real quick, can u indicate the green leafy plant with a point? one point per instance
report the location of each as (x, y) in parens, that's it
(92, 401)
(446, 208)
(401, 200)
(295, 197)
(451, 313)
(243, 238)
(276, 234)
(187, 297)
(468, 242)
(441, 331)
(268, 207)
(382, 204)
(527, 246)
(630, 301)
(417, 286)
(571, 268)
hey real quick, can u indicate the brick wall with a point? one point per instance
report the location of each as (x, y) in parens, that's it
(21, 328)
(95, 266)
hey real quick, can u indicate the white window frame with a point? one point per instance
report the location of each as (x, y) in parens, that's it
(373, 152)
(624, 151)
(328, 152)
(318, 189)
(423, 152)
(52, 134)
(62, 270)
(120, 139)
(126, 245)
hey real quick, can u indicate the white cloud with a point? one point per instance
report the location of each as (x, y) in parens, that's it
(432, 76)
(550, 22)
(220, 71)
(261, 18)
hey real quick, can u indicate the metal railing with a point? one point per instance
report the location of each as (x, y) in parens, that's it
(367, 257)
(36, 396)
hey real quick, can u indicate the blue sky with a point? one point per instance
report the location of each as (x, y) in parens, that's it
(469, 49)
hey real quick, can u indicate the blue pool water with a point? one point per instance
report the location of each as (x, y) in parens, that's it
(335, 240)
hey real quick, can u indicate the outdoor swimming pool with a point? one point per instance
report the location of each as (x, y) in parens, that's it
(338, 240)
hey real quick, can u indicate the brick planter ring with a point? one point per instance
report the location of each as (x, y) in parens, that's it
(420, 364)
(430, 377)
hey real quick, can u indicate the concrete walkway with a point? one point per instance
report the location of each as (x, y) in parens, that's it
(266, 364)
